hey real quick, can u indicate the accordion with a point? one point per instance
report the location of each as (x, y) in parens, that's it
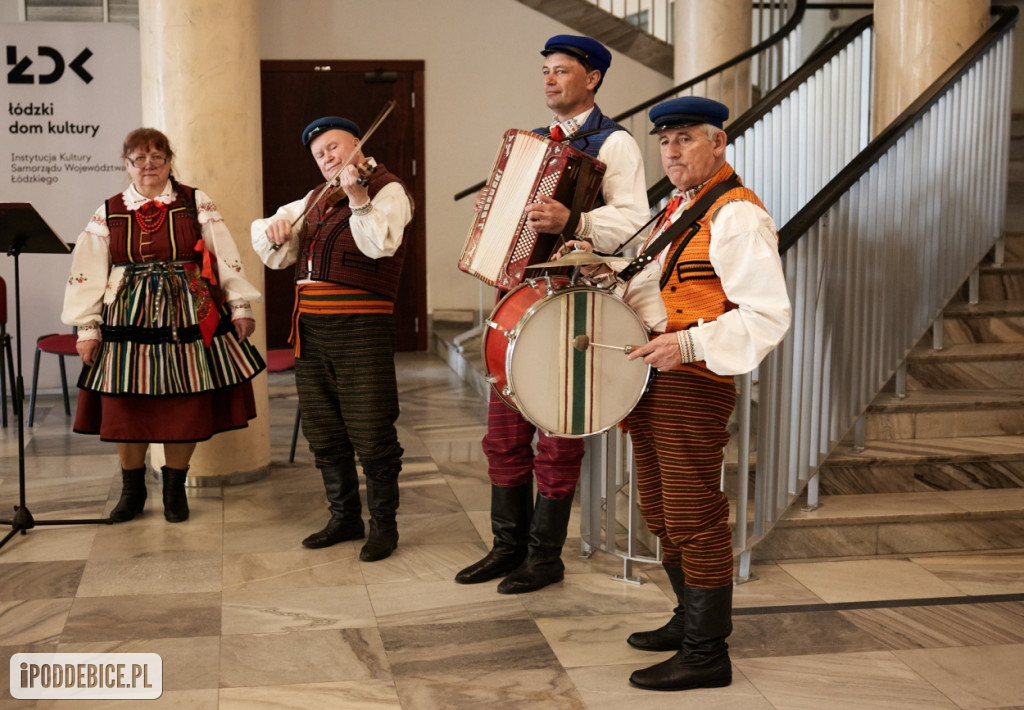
(501, 245)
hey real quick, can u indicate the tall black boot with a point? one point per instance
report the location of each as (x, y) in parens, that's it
(543, 564)
(511, 512)
(175, 502)
(382, 500)
(670, 636)
(341, 483)
(703, 661)
(133, 494)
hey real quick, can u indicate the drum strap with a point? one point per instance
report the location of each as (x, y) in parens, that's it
(690, 215)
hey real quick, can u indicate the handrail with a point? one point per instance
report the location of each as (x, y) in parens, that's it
(768, 43)
(828, 195)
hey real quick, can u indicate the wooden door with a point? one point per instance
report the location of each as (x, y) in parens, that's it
(294, 93)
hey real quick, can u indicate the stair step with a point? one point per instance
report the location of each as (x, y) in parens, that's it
(909, 523)
(1004, 282)
(967, 366)
(946, 413)
(988, 321)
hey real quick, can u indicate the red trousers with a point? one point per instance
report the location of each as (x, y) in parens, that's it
(511, 460)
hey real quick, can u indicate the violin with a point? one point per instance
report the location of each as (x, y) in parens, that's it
(366, 169)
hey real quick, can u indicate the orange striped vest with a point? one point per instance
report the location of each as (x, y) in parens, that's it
(690, 288)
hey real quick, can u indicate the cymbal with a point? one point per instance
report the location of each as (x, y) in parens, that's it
(578, 258)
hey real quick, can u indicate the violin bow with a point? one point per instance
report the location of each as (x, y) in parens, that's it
(388, 107)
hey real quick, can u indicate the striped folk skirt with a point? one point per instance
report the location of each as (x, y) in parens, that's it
(155, 379)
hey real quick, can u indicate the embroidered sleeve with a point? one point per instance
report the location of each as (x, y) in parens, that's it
(87, 280)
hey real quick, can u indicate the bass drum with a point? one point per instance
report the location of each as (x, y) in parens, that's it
(541, 359)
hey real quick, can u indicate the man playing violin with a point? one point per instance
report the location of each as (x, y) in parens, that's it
(528, 535)
(346, 245)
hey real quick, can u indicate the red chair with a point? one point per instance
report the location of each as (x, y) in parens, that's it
(6, 347)
(282, 360)
(62, 345)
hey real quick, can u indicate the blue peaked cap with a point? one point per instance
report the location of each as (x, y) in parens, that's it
(688, 111)
(584, 48)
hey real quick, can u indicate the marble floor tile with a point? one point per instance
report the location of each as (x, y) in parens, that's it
(771, 586)
(978, 574)
(33, 621)
(188, 663)
(779, 634)
(423, 563)
(352, 695)
(441, 602)
(143, 617)
(46, 543)
(132, 539)
(170, 700)
(867, 580)
(972, 677)
(288, 610)
(39, 580)
(580, 641)
(302, 657)
(166, 574)
(942, 625)
(511, 690)
(582, 594)
(292, 569)
(844, 681)
(606, 687)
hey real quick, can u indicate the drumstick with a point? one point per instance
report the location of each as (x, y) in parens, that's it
(582, 342)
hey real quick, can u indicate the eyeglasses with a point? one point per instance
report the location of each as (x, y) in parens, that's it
(157, 161)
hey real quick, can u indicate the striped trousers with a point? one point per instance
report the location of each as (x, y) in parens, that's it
(348, 395)
(679, 430)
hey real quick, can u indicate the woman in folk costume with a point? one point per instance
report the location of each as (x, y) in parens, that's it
(161, 302)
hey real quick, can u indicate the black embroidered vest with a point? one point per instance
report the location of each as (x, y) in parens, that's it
(327, 240)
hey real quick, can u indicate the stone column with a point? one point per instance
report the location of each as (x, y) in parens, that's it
(708, 34)
(201, 86)
(915, 42)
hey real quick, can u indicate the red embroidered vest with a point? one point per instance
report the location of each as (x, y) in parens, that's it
(175, 240)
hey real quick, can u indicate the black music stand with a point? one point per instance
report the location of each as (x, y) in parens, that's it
(23, 230)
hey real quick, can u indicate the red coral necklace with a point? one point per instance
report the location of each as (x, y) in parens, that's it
(151, 216)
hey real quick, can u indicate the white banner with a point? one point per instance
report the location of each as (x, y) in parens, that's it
(72, 91)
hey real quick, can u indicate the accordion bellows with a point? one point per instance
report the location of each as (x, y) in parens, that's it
(501, 245)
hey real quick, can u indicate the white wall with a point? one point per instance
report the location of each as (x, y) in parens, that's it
(482, 75)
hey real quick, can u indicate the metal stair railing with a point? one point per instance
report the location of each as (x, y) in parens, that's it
(876, 238)
(874, 258)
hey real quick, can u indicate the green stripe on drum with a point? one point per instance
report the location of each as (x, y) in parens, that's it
(581, 302)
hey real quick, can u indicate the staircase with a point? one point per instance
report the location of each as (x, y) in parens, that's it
(942, 469)
(587, 19)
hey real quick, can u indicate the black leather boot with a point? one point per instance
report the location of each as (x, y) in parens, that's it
(670, 636)
(133, 494)
(511, 512)
(341, 483)
(543, 564)
(703, 661)
(382, 501)
(175, 502)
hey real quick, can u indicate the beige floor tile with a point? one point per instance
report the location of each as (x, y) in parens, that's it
(868, 580)
(848, 681)
(606, 687)
(352, 695)
(978, 574)
(289, 610)
(972, 677)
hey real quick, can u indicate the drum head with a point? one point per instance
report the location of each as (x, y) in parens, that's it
(570, 392)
